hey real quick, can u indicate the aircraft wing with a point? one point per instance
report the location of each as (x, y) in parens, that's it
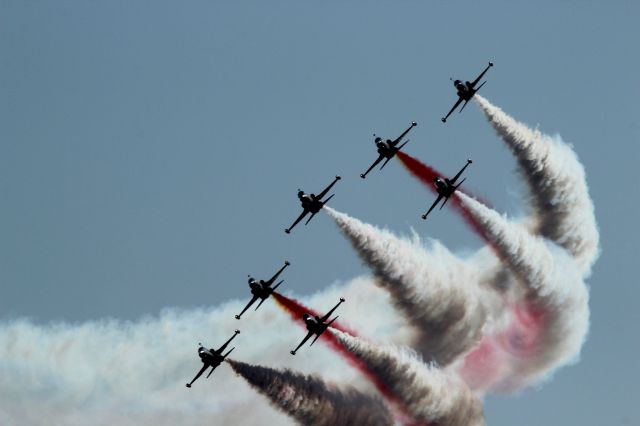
(328, 188)
(307, 337)
(375, 163)
(204, 367)
(251, 302)
(302, 215)
(328, 314)
(444, 119)
(481, 75)
(277, 274)
(424, 216)
(399, 138)
(456, 177)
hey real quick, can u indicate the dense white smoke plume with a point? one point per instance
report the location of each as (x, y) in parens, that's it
(430, 395)
(559, 195)
(500, 319)
(311, 401)
(134, 372)
(434, 289)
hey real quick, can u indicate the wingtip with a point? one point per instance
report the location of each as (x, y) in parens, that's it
(424, 217)
(342, 299)
(237, 317)
(338, 177)
(413, 123)
(287, 263)
(287, 231)
(444, 120)
(292, 352)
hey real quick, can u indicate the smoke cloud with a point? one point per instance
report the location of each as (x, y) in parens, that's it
(311, 401)
(500, 319)
(430, 395)
(433, 289)
(558, 190)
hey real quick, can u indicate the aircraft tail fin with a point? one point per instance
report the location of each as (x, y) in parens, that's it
(385, 163)
(327, 200)
(227, 354)
(311, 217)
(276, 286)
(460, 183)
(403, 144)
(444, 202)
(212, 368)
(314, 340)
(331, 322)
(261, 302)
(479, 87)
(463, 105)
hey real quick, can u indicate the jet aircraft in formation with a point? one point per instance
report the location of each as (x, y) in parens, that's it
(312, 203)
(212, 357)
(388, 149)
(466, 91)
(446, 188)
(261, 289)
(316, 325)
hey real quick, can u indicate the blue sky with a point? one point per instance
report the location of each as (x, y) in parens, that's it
(151, 151)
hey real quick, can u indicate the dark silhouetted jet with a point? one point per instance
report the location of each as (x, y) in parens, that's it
(446, 188)
(212, 358)
(312, 203)
(388, 149)
(466, 91)
(316, 325)
(261, 289)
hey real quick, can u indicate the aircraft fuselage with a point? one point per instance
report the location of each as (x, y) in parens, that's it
(386, 149)
(311, 203)
(260, 289)
(314, 324)
(210, 357)
(443, 187)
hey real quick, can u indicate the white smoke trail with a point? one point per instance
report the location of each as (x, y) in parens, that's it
(133, 373)
(311, 401)
(557, 185)
(429, 394)
(434, 290)
(553, 304)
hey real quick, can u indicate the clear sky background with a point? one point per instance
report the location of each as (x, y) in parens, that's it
(150, 152)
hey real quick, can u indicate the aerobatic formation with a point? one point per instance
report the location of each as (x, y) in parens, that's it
(494, 321)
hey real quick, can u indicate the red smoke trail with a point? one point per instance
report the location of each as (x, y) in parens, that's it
(295, 310)
(426, 175)
(497, 355)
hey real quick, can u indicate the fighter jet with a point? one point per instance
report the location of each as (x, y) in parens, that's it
(446, 188)
(312, 203)
(316, 325)
(388, 149)
(466, 91)
(212, 358)
(261, 289)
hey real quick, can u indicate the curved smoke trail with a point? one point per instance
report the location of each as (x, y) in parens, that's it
(431, 395)
(433, 290)
(552, 310)
(311, 401)
(557, 185)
